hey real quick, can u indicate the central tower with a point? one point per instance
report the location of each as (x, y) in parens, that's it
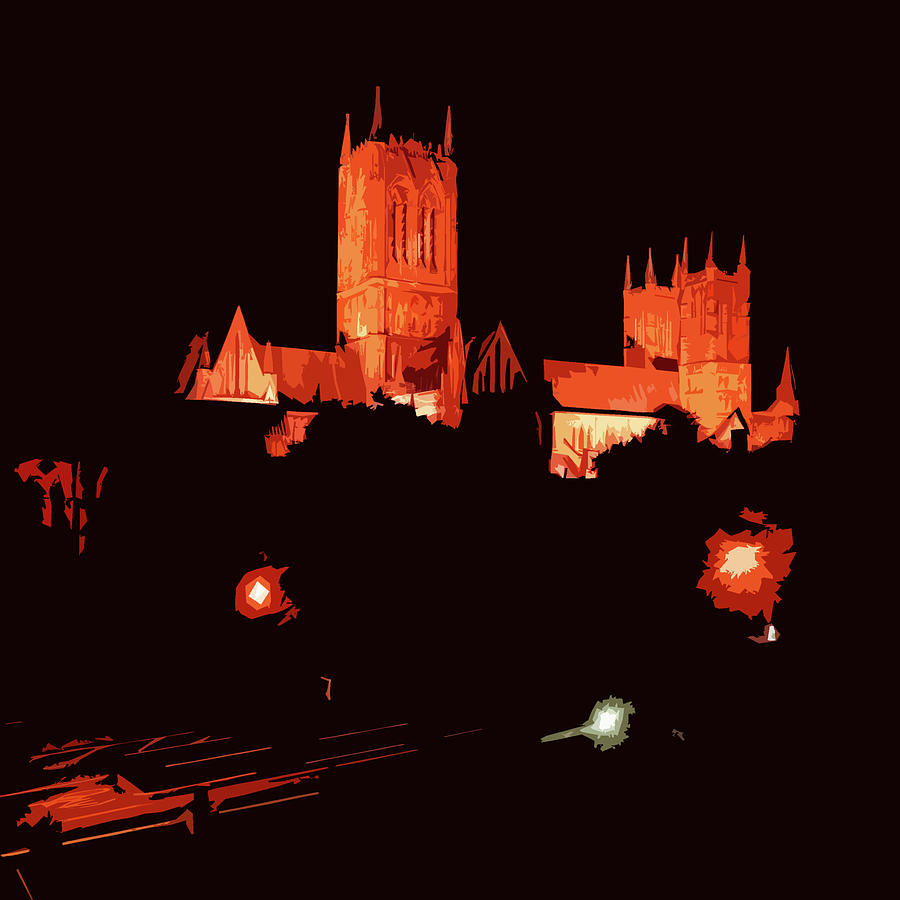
(396, 278)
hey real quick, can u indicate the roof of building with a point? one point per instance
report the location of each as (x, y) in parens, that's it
(616, 388)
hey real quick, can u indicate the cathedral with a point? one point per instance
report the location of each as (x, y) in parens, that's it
(686, 344)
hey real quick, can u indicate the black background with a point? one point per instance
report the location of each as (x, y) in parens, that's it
(153, 195)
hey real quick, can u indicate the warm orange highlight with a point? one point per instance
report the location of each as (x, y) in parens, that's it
(97, 802)
(744, 571)
(259, 593)
(579, 437)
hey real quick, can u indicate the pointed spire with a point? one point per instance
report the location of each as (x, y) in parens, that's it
(743, 258)
(709, 256)
(448, 135)
(268, 368)
(649, 275)
(787, 389)
(204, 352)
(676, 272)
(376, 117)
(238, 323)
(345, 147)
(627, 273)
(684, 258)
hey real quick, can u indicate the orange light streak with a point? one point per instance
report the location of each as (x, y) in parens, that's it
(341, 755)
(353, 762)
(189, 762)
(364, 731)
(268, 802)
(23, 884)
(197, 784)
(97, 837)
(176, 746)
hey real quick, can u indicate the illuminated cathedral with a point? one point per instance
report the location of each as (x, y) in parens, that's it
(686, 344)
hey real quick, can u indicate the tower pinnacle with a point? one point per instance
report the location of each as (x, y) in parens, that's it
(787, 388)
(743, 258)
(448, 136)
(709, 256)
(345, 147)
(627, 273)
(649, 275)
(376, 116)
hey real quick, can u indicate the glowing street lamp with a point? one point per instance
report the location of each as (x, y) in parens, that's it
(259, 593)
(606, 726)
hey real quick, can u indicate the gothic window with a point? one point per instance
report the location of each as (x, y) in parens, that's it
(420, 236)
(430, 245)
(392, 232)
(398, 231)
(401, 228)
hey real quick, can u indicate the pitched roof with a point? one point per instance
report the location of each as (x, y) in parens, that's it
(617, 388)
(495, 355)
(734, 421)
(300, 373)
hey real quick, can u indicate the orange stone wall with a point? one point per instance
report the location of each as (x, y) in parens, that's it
(714, 390)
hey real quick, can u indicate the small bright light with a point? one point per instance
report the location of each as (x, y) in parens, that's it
(771, 635)
(740, 560)
(259, 593)
(606, 721)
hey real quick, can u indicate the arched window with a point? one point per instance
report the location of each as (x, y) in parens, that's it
(397, 222)
(398, 231)
(430, 243)
(392, 230)
(431, 206)
(420, 236)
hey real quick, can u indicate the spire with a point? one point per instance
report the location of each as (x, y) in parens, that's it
(268, 368)
(709, 256)
(376, 117)
(743, 258)
(649, 275)
(787, 389)
(448, 135)
(345, 147)
(627, 273)
(204, 352)
(684, 261)
(676, 272)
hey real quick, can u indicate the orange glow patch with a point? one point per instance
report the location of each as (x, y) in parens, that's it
(95, 803)
(744, 571)
(259, 593)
